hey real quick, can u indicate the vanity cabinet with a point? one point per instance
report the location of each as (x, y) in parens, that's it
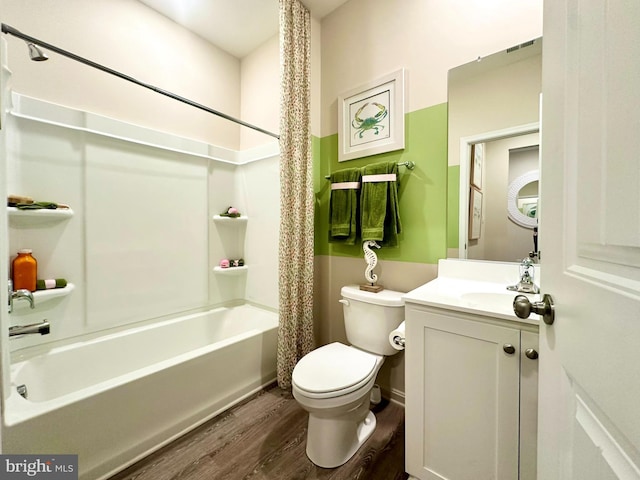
(471, 396)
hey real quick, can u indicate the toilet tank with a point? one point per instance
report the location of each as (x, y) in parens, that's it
(370, 317)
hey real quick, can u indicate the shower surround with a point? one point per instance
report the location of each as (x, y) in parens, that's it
(140, 246)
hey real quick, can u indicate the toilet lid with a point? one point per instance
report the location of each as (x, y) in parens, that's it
(333, 367)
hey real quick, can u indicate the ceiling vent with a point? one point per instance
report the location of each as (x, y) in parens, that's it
(522, 45)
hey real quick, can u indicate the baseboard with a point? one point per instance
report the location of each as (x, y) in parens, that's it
(396, 396)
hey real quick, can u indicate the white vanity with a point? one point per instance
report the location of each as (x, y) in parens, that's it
(471, 376)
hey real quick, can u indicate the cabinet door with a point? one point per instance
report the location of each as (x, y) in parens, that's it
(462, 398)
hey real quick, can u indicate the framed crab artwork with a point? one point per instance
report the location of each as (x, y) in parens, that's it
(371, 118)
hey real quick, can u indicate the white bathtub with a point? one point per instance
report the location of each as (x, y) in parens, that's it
(116, 398)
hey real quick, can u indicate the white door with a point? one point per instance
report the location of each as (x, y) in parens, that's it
(589, 417)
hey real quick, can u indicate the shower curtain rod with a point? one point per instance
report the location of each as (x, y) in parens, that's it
(47, 46)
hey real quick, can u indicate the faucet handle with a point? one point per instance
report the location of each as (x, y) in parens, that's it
(21, 293)
(526, 270)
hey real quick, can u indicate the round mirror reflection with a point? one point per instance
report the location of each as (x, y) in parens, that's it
(522, 199)
(527, 199)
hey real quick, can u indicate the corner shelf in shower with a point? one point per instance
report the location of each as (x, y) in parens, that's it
(230, 270)
(44, 296)
(37, 218)
(230, 220)
(236, 222)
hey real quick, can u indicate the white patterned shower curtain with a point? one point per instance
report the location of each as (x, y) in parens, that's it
(295, 335)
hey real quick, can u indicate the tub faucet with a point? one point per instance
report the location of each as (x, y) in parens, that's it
(43, 328)
(525, 285)
(18, 294)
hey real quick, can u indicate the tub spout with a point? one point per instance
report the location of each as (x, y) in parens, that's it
(43, 328)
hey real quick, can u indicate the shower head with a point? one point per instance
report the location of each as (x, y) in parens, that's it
(35, 53)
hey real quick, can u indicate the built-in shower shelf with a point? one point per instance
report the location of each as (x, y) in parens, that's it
(236, 226)
(230, 270)
(37, 218)
(43, 296)
(230, 220)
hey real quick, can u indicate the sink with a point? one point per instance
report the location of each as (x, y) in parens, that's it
(492, 301)
(474, 286)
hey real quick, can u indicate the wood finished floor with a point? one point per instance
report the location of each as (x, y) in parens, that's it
(264, 438)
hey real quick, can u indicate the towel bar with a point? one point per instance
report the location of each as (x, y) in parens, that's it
(409, 164)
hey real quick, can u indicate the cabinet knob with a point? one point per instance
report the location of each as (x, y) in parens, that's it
(531, 353)
(508, 348)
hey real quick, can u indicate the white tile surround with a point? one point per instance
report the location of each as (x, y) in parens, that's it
(141, 244)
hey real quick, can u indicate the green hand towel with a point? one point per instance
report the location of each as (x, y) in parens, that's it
(380, 214)
(37, 206)
(343, 207)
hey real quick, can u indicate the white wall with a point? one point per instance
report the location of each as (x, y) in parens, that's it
(316, 77)
(260, 93)
(127, 36)
(365, 39)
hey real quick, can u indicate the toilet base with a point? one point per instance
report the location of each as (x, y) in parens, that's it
(331, 442)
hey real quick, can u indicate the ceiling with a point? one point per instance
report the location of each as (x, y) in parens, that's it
(236, 26)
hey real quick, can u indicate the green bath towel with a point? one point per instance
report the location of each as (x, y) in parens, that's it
(380, 215)
(343, 207)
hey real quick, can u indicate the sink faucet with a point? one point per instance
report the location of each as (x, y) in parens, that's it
(43, 328)
(525, 285)
(18, 294)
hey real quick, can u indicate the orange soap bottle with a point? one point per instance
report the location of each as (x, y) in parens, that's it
(25, 270)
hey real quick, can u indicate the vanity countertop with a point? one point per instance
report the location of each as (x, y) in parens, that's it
(474, 287)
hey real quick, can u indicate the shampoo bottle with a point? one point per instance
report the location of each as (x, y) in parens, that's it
(25, 271)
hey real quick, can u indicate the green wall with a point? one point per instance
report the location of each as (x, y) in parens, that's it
(423, 192)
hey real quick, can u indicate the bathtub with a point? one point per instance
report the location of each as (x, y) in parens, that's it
(114, 399)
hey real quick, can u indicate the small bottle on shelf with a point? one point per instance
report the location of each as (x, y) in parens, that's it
(24, 271)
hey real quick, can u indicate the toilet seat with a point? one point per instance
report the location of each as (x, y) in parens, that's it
(334, 370)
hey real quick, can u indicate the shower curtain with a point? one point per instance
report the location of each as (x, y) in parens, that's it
(295, 335)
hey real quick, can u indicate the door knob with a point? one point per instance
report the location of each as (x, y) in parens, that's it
(508, 348)
(523, 308)
(531, 353)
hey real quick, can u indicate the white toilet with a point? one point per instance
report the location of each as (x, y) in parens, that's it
(333, 383)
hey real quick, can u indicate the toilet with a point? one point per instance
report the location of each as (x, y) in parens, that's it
(334, 382)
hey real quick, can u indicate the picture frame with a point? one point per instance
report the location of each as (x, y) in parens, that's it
(477, 162)
(371, 118)
(475, 213)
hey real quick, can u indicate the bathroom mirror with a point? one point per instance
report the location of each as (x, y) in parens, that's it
(493, 101)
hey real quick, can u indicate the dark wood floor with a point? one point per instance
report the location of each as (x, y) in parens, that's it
(264, 438)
